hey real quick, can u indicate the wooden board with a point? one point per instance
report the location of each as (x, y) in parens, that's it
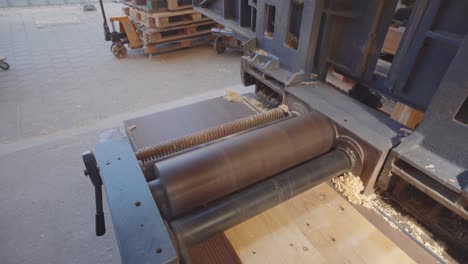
(406, 115)
(165, 19)
(318, 226)
(392, 40)
(339, 80)
(175, 18)
(164, 5)
(176, 45)
(157, 36)
(175, 5)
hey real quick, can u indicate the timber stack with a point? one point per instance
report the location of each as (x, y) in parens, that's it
(166, 25)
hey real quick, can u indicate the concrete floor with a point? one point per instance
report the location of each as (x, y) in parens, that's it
(64, 85)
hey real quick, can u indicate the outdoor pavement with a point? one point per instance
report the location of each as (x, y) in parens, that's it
(63, 87)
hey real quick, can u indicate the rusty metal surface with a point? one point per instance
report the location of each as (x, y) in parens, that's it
(215, 250)
(162, 126)
(195, 178)
(152, 153)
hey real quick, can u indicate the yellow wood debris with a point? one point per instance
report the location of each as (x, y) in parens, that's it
(232, 96)
(351, 187)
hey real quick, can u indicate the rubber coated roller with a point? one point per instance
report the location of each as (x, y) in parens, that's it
(195, 178)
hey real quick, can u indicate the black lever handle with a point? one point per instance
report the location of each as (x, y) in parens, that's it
(92, 170)
(107, 34)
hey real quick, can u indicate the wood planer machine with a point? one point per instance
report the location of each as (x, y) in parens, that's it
(181, 176)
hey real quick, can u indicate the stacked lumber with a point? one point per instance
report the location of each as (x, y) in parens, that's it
(166, 25)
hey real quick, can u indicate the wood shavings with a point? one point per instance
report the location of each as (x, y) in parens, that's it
(409, 225)
(419, 233)
(351, 187)
(430, 166)
(284, 107)
(232, 96)
(131, 128)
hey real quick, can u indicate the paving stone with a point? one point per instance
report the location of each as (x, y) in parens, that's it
(63, 55)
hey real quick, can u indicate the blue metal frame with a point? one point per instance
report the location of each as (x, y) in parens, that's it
(141, 233)
(438, 149)
(351, 35)
(431, 41)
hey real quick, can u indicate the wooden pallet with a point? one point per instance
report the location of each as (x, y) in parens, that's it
(137, 15)
(163, 35)
(170, 5)
(162, 5)
(165, 19)
(176, 45)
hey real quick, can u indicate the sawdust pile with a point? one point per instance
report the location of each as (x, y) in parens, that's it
(284, 107)
(419, 233)
(351, 187)
(232, 96)
(407, 223)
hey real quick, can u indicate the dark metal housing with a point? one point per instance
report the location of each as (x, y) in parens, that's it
(290, 45)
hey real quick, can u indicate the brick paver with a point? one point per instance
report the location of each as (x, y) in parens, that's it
(63, 75)
(64, 79)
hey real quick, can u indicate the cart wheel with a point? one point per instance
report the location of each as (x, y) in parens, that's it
(119, 50)
(218, 45)
(5, 66)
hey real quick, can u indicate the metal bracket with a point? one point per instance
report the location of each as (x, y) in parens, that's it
(140, 231)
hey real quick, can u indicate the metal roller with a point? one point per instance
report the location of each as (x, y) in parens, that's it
(195, 178)
(228, 212)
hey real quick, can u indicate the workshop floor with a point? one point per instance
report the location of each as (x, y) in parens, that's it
(64, 85)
